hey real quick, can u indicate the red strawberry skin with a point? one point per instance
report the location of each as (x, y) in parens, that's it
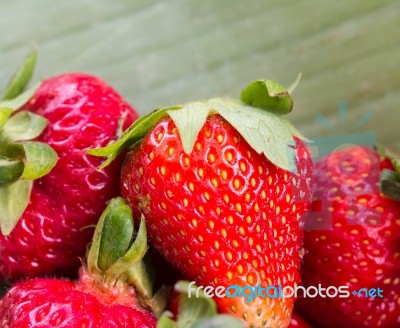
(55, 303)
(223, 215)
(362, 248)
(298, 322)
(83, 112)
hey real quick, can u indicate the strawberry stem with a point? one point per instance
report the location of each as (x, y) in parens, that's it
(113, 257)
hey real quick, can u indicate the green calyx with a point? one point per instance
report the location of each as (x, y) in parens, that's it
(257, 117)
(21, 159)
(112, 251)
(196, 312)
(390, 184)
(117, 254)
(390, 180)
(268, 95)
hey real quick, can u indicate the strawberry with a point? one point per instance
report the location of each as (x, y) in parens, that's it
(101, 298)
(50, 233)
(354, 241)
(221, 198)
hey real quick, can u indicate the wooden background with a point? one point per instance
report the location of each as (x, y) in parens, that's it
(164, 52)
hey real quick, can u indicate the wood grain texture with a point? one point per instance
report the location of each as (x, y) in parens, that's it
(164, 52)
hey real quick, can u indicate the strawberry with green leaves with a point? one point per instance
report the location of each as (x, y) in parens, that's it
(355, 240)
(103, 296)
(51, 191)
(223, 184)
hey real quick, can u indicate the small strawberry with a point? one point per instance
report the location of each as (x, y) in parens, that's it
(222, 186)
(102, 297)
(357, 241)
(44, 223)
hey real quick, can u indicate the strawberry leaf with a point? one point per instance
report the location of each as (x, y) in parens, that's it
(113, 258)
(136, 132)
(99, 246)
(265, 132)
(390, 184)
(5, 113)
(141, 275)
(21, 160)
(166, 322)
(192, 309)
(13, 201)
(40, 159)
(29, 160)
(118, 225)
(396, 164)
(134, 254)
(24, 126)
(10, 171)
(189, 120)
(267, 95)
(21, 99)
(296, 133)
(21, 77)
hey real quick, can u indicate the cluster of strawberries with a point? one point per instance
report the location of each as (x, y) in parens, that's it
(220, 188)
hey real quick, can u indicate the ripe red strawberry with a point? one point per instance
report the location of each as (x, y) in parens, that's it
(217, 208)
(82, 112)
(101, 297)
(54, 303)
(356, 244)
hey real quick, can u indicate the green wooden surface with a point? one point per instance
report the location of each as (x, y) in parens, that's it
(164, 52)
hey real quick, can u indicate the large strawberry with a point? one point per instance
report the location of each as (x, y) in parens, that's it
(355, 241)
(45, 223)
(222, 185)
(102, 297)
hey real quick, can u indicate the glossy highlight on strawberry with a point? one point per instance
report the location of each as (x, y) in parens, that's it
(83, 112)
